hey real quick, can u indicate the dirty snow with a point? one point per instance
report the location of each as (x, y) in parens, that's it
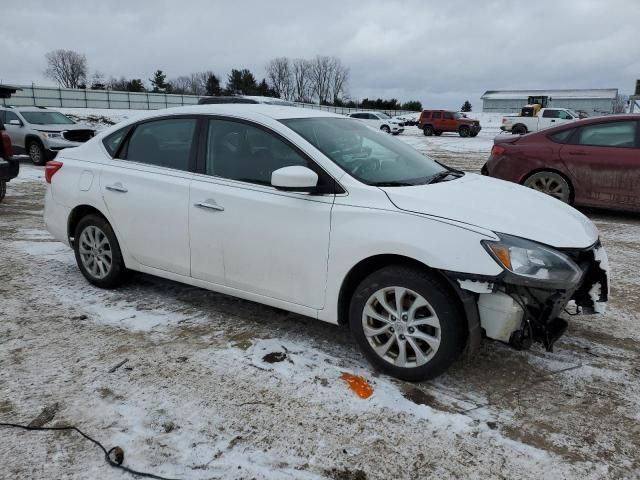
(216, 387)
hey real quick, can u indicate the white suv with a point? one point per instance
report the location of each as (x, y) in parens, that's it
(320, 215)
(380, 120)
(41, 133)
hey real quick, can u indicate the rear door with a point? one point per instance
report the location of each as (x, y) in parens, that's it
(146, 191)
(550, 118)
(436, 120)
(604, 158)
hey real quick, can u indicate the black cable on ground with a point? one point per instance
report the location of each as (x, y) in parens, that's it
(117, 451)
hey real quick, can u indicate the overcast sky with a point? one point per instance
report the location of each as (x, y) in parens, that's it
(438, 52)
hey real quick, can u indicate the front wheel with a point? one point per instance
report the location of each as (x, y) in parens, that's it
(464, 131)
(407, 323)
(551, 183)
(385, 129)
(98, 253)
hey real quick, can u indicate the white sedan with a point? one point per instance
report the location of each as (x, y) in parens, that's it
(320, 215)
(380, 120)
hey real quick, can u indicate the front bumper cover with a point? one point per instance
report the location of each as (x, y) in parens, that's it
(541, 304)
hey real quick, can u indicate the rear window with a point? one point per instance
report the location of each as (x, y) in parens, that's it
(426, 114)
(563, 136)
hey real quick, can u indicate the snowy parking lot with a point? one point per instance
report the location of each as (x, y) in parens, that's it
(194, 384)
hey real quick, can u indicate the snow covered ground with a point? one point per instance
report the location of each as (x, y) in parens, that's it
(216, 387)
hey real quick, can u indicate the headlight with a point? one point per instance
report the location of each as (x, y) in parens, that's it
(533, 263)
(51, 134)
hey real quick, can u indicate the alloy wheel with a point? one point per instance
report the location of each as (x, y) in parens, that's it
(35, 153)
(401, 327)
(95, 252)
(551, 184)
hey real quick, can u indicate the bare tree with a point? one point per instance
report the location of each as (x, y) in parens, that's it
(280, 77)
(620, 103)
(180, 85)
(67, 68)
(339, 79)
(302, 89)
(321, 73)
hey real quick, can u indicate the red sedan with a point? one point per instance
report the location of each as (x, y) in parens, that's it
(593, 162)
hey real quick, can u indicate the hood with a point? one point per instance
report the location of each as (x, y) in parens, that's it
(56, 127)
(500, 206)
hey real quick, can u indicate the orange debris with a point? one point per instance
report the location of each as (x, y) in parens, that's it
(358, 384)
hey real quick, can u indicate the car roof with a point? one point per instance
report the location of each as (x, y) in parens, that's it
(276, 112)
(26, 109)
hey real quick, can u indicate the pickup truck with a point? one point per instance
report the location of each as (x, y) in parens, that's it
(8, 166)
(545, 118)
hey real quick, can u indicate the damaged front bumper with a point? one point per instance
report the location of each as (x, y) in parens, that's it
(519, 313)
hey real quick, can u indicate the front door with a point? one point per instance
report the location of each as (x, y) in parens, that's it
(605, 160)
(147, 193)
(273, 243)
(17, 133)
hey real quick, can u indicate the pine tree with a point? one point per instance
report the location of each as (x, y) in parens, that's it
(159, 82)
(213, 86)
(466, 106)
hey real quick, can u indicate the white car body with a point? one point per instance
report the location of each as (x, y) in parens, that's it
(295, 250)
(379, 121)
(546, 117)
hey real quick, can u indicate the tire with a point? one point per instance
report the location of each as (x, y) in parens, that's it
(428, 130)
(551, 183)
(519, 130)
(385, 129)
(95, 227)
(36, 152)
(3, 189)
(373, 325)
(464, 131)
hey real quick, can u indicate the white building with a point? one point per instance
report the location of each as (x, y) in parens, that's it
(592, 101)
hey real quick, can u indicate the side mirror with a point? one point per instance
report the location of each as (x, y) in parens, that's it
(294, 179)
(15, 122)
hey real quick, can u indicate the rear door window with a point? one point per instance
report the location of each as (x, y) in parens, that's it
(611, 134)
(437, 115)
(551, 113)
(164, 143)
(563, 136)
(112, 142)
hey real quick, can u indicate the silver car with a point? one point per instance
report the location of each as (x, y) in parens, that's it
(41, 133)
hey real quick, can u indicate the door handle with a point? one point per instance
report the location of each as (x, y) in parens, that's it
(552, 121)
(209, 206)
(576, 153)
(116, 188)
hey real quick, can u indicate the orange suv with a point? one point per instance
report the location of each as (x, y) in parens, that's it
(434, 122)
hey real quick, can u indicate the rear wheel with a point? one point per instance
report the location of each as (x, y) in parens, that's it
(98, 253)
(407, 323)
(36, 152)
(464, 131)
(519, 130)
(3, 189)
(428, 130)
(551, 183)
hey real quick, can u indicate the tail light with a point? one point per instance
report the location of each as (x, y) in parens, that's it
(50, 169)
(7, 148)
(497, 150)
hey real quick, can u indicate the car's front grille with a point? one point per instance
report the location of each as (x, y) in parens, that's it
(78, 135)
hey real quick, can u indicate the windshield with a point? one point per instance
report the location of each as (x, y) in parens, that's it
(460, 115)
(372, 157)
(46, 118)
(574, 114)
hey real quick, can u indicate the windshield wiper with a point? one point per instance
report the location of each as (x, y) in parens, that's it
(440, 176)
(392, 184)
